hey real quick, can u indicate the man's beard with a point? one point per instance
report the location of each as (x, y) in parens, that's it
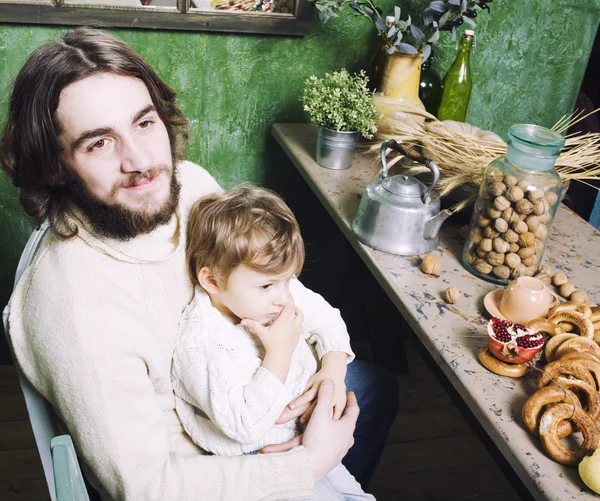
(119, 222)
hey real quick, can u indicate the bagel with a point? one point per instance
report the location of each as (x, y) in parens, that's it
(593, 368)
(565, 368)
(591, 401)
(586, 327)
(584, 309)
(553, 343)
(548, 432)
(551, 394)
(580, 344)
(496, 366)
(544, 325)
(575, 353)
(595, 314)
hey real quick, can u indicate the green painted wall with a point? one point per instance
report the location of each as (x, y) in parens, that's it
(528, 66)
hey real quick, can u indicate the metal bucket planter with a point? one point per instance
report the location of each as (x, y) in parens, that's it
(335, 149)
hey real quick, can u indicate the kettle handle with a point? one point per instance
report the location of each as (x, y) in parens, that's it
(413, 155)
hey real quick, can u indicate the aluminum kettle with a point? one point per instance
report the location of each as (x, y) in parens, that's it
(400, 214)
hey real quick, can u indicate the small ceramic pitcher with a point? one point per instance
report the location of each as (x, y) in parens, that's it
(525, 299)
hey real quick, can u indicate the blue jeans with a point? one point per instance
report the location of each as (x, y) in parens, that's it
(376, 390)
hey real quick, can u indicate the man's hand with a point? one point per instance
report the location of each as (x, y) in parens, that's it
(279, 339)
(326, 440)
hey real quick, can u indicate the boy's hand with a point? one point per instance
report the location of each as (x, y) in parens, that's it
(279, 339)
(312, 389)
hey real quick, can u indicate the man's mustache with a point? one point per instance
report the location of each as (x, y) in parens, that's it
(134, 179)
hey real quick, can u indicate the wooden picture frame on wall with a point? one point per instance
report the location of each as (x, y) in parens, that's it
(188, 15)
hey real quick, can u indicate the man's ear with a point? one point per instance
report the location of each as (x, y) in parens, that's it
(209, 281)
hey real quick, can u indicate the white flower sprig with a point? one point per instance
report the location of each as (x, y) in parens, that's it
(342, 102)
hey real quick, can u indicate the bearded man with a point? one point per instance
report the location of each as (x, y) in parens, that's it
(93, 142)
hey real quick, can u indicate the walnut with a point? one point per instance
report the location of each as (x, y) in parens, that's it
(452, 295)
(535, 195)
(501, 225)
(501, 271)
(495, 258)
(489, 232)
(539, 246)
(510, 180)
(551, 197)
(526, 252)
(541, 232)
(483, 221)
(463, 231)
(510, 236)
(509, 215)
(545, 217)
(541, 207)
(524, 185)
(526, 239)
(524, 207)
(431, 265)
(530, 261)
(512, 260)
(566, 290)
(497, 189)
(495, 176)
(470, 258)
(532, 223)
(480, 252)
(514, 247)
(522, 271)
(499, 245)
(543, 276)
(579, 297)
(476, 235)
(494, 213)
(559, 279)
(547, 271)
(482, 267)
(501, 203)
(486, 244)
(520, 227)
(514, 194)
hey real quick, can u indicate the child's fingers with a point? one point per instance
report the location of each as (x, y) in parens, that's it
(307, 396)
(253, 326)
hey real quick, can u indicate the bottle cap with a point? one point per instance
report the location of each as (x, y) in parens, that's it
(469, 33)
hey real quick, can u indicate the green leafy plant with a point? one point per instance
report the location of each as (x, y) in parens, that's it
(406, 36)
(340, 101)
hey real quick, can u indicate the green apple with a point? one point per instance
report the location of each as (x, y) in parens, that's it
(589, 471)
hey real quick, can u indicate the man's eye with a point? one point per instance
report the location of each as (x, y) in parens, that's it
(98, 145)
(145, 124)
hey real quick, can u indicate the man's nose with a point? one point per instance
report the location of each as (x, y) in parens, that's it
(135, 156)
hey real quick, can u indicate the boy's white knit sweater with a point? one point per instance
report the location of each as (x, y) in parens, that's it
(227, 402)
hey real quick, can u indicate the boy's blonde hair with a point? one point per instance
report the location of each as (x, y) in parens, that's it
(246, 225)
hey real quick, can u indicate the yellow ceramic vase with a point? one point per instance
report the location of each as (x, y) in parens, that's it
(399, 85)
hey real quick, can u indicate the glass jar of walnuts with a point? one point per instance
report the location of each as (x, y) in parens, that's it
(517, 201)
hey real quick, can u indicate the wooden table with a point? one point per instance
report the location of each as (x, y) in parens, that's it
(453, 334)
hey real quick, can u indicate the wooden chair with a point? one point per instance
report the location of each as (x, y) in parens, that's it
(59, 460)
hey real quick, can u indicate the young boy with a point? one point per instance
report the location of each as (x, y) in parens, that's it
(254, 339)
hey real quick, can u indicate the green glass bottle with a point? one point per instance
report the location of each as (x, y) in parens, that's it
(456, 85)
(430, 87)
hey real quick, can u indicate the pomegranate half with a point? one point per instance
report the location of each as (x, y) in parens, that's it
(513, 343)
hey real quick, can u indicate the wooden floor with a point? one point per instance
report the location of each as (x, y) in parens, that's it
(432, 454)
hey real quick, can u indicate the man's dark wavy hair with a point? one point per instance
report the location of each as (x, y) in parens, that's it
(29, 146)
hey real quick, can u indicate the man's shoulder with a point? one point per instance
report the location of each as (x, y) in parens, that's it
(195, 183)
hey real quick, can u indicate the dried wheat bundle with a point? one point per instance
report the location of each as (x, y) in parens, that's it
(462, 158)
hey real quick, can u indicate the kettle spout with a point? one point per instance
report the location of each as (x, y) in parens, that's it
(433, 224)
